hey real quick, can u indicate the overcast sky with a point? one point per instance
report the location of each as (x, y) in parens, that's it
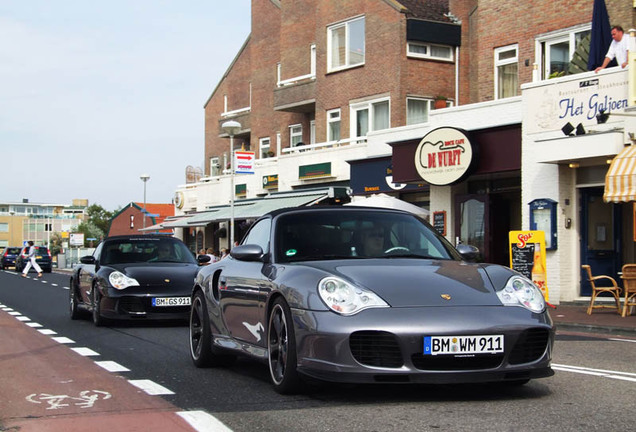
(94, 93)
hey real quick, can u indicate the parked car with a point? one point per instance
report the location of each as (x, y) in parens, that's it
(366, 295)
(7, 259)
(134, 277)
(42, 257)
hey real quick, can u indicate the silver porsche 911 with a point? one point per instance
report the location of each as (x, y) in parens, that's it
(365, 295)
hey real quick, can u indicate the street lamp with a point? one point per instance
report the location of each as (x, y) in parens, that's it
(144, 178)
(231, 128)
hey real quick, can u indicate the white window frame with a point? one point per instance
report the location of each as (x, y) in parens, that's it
(336, 118)
(215, 167)
(499, 63)
(428, 55)
(295, 134)
(264, 146)
(347, 63)
(542, 56)
(368, 105)
(430, 102)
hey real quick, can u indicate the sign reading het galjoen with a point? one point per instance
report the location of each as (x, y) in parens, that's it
(444, 156)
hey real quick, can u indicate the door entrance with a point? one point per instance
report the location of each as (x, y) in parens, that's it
(600, 236)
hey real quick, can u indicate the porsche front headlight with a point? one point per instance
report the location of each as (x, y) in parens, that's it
(120, 281)
(520, 291)
(346, 299)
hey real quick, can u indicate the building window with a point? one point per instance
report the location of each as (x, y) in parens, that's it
(215, 167)
(295, 135)
(333, 125)
(417, 110)
(370, 116)
(4, 227)
(555, 50)
(264, 146)
(506, 71)
(345, 44)
(429, 51)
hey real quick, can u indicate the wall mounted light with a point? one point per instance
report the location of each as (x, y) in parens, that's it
(568, 129)
(602, 116)
(580, 130)
(574, 165)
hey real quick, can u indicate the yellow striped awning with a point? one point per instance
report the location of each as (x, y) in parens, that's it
(620, 181)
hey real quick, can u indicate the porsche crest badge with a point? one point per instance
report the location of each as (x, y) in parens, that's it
(446, 296)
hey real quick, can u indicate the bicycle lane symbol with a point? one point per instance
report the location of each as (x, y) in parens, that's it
(85, 399)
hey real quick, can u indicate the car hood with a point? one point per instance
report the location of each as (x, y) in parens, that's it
(160, 274)
(416, 282)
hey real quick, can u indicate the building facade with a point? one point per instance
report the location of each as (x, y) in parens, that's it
(24, 221)
(342, 93)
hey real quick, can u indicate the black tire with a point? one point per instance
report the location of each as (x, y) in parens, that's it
(281, 348)
(73, 309)
(98, 320)
(202, 352)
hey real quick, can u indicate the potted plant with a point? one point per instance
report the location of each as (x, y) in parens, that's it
(440, 102)
(270, 154)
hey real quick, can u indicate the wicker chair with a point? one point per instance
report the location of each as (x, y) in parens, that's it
(629, 286)
(614, 290)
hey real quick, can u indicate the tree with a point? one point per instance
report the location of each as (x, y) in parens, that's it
(90, 230)
(99, 217)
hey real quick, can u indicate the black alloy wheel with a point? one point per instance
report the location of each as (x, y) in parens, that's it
(97, 314)
(74, 311)
(201, 350)
(281, 348)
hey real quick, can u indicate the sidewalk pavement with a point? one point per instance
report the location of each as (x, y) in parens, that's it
(574, 317)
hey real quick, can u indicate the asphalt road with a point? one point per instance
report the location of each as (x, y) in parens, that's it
(241, 397)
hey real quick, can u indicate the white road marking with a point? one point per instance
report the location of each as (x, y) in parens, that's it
(151, 387)
(34, 324)
(63, 340)
(7, 309)
(14, 313)
(22, 318)
(623, 340)
(203, 422)
(625, 376)
(54, 285)
(47, 332)
(86, 352)
(112, 366)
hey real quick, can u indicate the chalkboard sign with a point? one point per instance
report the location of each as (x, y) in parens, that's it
(439, 222)
(523, 259)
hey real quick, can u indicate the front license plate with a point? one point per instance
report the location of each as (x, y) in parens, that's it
(170, 301)
(490, 344)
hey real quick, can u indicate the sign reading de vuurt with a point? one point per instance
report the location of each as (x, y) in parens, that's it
(444, 156)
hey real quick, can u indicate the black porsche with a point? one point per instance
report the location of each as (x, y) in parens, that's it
(134, 277)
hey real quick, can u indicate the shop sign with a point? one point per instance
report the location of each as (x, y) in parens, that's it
(527, 256)
(244, 162)
(240, 190)
(270, 181)
(444, 156)
(314, 171)
(550, 106)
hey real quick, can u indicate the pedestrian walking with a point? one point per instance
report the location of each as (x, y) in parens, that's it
(31, 262)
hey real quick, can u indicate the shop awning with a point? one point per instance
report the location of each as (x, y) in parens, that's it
(257, 207)
(620, 181)
(182, 222)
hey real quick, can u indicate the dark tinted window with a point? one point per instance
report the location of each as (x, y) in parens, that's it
(356, 234)
(145, 250)
(13, 250)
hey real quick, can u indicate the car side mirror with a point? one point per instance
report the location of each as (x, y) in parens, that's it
(247, 253)
(88, 259)
(468, 252)
(203, 259)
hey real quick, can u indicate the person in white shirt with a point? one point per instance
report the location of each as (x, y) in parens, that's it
(618, 49)
(31, 262)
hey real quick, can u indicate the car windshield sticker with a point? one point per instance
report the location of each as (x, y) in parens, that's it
(291, 252)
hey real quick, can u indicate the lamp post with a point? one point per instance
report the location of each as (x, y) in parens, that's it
(144, 178)
(231, 128)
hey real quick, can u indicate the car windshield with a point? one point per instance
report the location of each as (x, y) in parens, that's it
(13, 251)
(355, 235)
(126, 251)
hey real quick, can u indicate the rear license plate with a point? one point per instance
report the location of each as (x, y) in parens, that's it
(38, 257)
(170, 301)
(490, 344)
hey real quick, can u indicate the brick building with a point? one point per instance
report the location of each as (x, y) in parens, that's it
(341, 93)
(130, 219)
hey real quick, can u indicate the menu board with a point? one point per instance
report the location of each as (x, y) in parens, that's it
(522, 259)
(439, 222)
